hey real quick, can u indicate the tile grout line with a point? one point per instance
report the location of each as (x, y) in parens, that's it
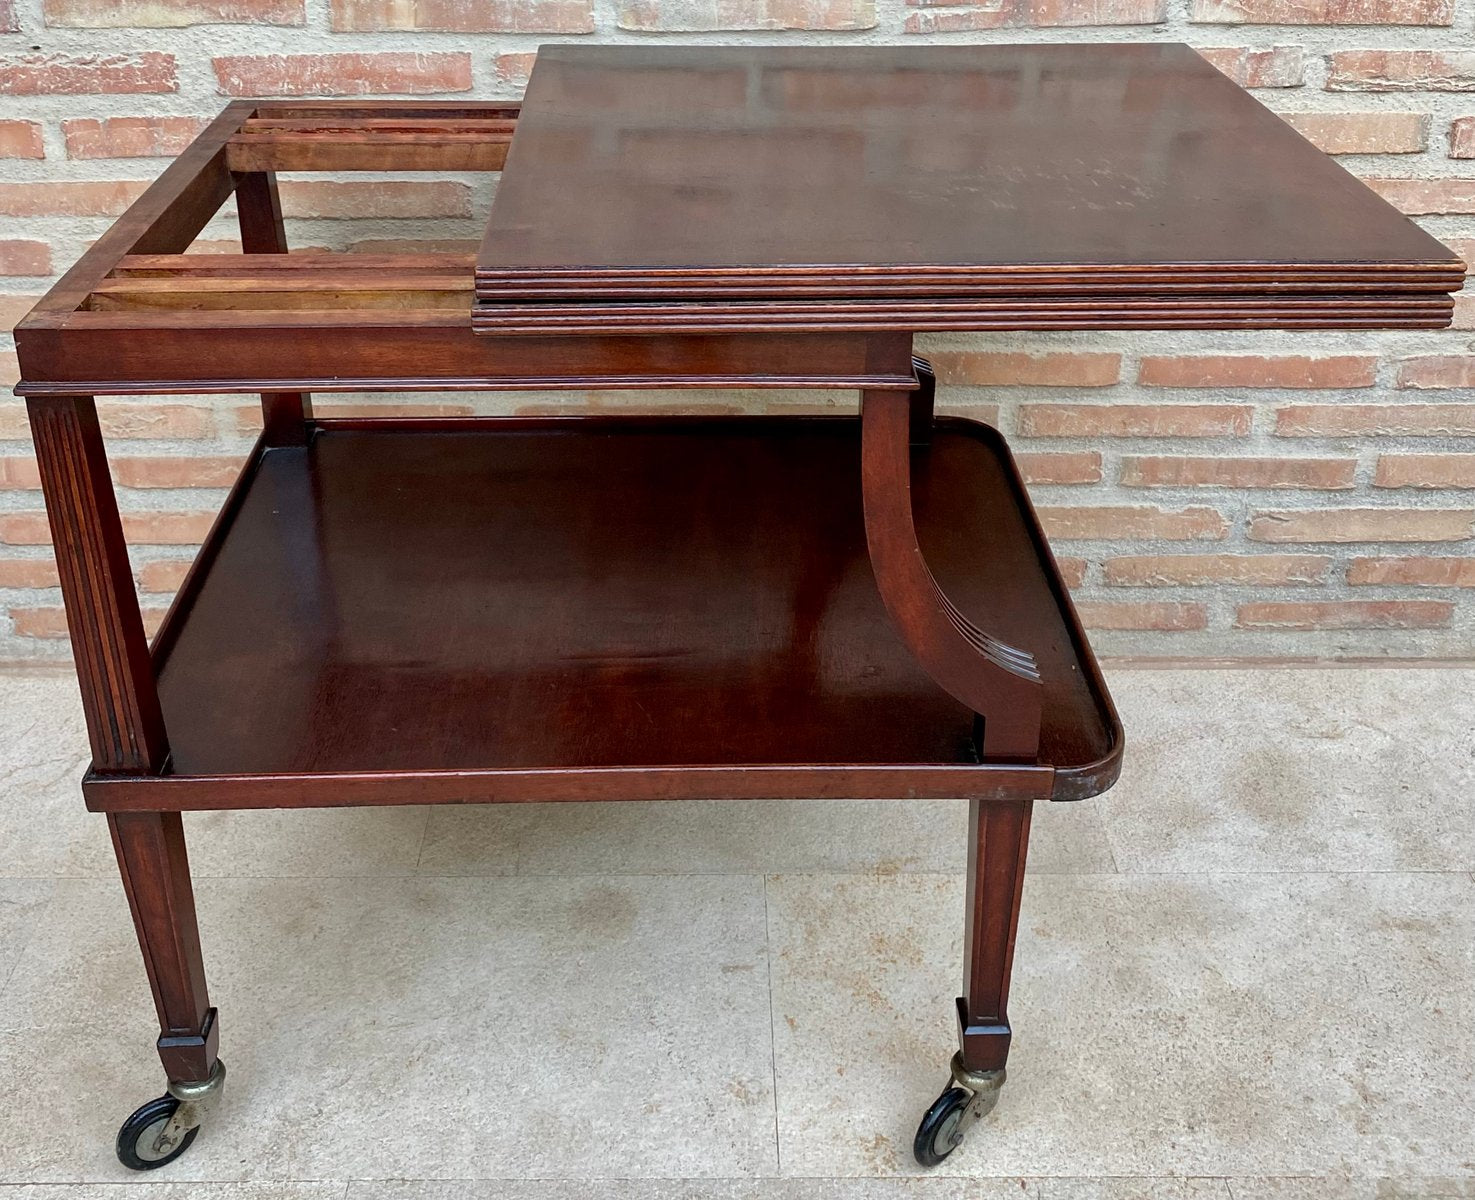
(424, 837)
(30, 927)
(778, 1152)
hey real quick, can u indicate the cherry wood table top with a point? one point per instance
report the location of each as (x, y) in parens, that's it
(802, 173)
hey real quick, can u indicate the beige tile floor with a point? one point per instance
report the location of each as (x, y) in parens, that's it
(1247, 973)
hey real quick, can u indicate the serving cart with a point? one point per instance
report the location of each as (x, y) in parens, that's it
(483, 610)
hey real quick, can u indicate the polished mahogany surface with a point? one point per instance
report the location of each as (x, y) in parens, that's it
(882, 170)
(554, 594)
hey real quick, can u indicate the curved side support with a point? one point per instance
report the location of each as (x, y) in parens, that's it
(998, 681)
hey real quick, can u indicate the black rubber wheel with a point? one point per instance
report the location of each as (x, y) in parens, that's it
(136, 1138)
(938, 1135)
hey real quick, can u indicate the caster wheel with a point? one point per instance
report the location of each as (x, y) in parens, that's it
(138, 1140)
(941, 1130)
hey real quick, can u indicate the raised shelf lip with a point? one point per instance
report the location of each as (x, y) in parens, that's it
(820, 781)
(168, 791)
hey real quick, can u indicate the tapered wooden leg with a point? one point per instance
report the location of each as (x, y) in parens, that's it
(155, 869)
(259, 213)
(998, 831)
(119, 696)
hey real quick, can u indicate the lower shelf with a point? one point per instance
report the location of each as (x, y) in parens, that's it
(567, 594)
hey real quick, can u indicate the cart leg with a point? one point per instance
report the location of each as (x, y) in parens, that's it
(998, 832)
(259, 214)
(155, 870)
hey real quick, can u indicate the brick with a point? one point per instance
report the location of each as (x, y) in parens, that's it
(1413, 571)
(167, 528)
(165, 14)
(1277, 67)
(86, 74)
(1375, 420)
(24, 529)
(1015, 14)
(1464, 317)
(1364, 525)
(176, 471)
(1462, 141)
(342, 74)
(145, 528)
(464, 16)
(21, 257)
(9, 373)
(1423, 197)
(39, 622)
(1138, 471)
(1344, 614)
(13, 308)
(1363, 132)
(1083, 466)
(162, 421)
(1133, 521)
(351, 200)
(92, 198)
(28, 573)
(984, 414)
(993, 369)
(1401, 71)
(129, 137)
(9, 22)
(163, 575)
(1437, 371)
(1135, 420)
(1425, 471)
(21, 139)
(1258, 371)
(514, 68)
(19, 474)
(1162, 615)
(1072, 571)
(1246, 570)
(1464, 248)
(51, 622)
(699, 16)
(1322, 12)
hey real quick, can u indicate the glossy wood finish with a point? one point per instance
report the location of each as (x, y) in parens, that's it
(263, 231)
(119, 697)
(518, 610)
(998, 834)
(456, 597)
(798, 174)
(437, 137)
(998, 681)
(155, 869)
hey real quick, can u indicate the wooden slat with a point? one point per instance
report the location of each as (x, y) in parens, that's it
(300, 263)
(368, 152)
(396, 138)
(386, 109)
(332, 126)
(285, 290)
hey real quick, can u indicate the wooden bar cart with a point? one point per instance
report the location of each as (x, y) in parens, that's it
(498, 610)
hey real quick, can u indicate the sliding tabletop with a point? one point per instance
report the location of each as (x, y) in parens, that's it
(945, 187)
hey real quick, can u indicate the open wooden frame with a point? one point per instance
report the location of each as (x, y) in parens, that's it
(139, 316)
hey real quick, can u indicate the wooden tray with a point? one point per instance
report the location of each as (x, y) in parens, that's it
(460, 601)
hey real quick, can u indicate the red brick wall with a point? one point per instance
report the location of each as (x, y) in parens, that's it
(1209, 494)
